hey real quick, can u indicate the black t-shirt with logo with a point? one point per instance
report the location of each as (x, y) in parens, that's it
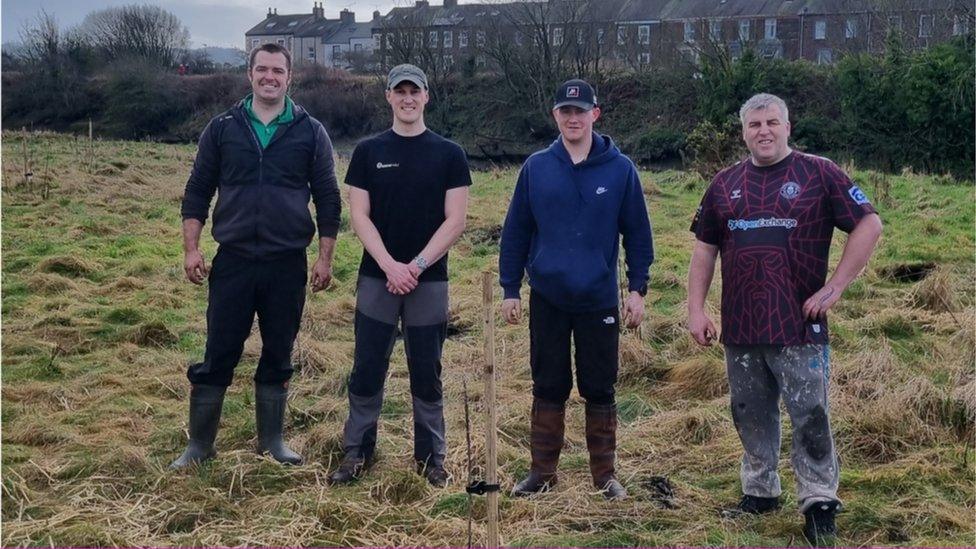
(773, 226)
(407, 178)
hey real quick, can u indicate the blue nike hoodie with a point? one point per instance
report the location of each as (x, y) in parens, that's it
(564, 223)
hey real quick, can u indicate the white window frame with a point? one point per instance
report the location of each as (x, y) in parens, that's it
(601, 36)
(850, 28)
(448, 39)
(481, 39)
(715, 30)
(311, 53)
(463, 38)
(281, 41)
(820, 29)
(433, 37)
(745, 29)
(255, 43)
(769, 28)
(579, 37)
(621, 35)
(645, 58)
(448, 60)
(557, 36)
(896, 23)
(644, 34)
(922, 27)
(825, 56)
(689, 32)
(357, 47)
(960, 25)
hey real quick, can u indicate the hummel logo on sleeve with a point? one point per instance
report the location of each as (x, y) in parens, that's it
(857, 195)
(380, 165)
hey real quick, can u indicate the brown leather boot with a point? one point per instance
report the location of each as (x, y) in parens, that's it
(546, 441)
(601, 441)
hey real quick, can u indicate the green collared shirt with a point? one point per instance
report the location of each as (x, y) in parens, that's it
(266, 131)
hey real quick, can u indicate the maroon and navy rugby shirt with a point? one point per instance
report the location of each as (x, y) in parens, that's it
(773, 227)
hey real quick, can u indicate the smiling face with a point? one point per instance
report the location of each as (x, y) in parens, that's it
(575, 124)
(766, 133)
(269, 77)
(407, 101)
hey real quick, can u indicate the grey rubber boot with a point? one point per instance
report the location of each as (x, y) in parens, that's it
(269, 408)
(206, 402)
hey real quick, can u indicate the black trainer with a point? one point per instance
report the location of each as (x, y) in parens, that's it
(349, 470)
(752, 505)
(820, 529)
(436, 475)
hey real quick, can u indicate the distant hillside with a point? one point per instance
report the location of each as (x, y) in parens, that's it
(222, 56)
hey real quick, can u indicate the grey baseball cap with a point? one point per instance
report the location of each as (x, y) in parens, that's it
(406, 73)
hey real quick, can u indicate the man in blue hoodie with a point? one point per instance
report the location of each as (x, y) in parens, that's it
(572, 203)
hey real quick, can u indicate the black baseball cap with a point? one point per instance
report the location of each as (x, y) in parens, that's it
(577, 93)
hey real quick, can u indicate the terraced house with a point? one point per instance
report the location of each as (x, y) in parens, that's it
(636, 33)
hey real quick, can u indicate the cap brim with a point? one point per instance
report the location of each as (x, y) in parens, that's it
(581, 104)
(401, 79)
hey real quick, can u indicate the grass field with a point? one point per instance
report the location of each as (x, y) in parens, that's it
(99, 324)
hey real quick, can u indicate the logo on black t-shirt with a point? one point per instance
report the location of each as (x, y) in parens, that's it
(790, 190)
(380, 165)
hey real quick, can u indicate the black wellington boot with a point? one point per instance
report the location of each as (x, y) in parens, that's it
(206, 402)
(269, 407)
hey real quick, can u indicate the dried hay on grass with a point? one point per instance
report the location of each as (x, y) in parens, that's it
(701, 377)
(937, 292)
(50, 284)
(153, 334)
(70, 266)
(637, 360)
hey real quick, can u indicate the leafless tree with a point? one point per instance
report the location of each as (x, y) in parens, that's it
(144, 31)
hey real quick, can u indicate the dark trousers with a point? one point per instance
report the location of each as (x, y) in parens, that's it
(423, 314)
(238, 288)
(596, 337)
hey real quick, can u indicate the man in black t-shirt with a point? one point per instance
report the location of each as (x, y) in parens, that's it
(772, 217)
(408, 194)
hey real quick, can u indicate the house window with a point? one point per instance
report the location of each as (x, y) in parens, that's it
(600, 36)
(644, 34)
(254, 43)
(336, 51)
(448, 60)
(689, 31)
(519, 38)
(432, 38)
(557, 36)
(311, 52)
(894, 23)
(770, 29)
(377, 41)
(715, 30)
(579, 37)
(820, 30)
(480, 61)
(925, 26)
(281, 41)
(418, 38)
(481, 39)
(825, 56)
(448, 39)
(389, 39)
(960, 25)
(621, 35)
(744, 30)
(850, 28)
(357, 48)
(463, 39)
(645, 58)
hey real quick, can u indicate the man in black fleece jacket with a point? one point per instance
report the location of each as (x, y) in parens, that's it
(265, 158)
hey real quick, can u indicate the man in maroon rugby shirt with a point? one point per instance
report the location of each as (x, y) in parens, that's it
(772, 217)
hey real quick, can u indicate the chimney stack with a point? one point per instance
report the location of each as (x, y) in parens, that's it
(450, 3)
(269, 12)
(318, 11)
(422, 3)
(347, 16)
(376, 15)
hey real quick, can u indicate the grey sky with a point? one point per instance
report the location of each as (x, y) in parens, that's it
(211, 22)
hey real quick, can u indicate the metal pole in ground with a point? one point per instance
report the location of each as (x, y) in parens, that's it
(491, 456)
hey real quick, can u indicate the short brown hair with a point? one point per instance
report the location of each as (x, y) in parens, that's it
(270, 47)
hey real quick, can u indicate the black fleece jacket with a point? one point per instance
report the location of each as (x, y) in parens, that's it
(263, 194)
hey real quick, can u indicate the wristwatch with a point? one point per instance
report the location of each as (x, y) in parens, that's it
(421, 262)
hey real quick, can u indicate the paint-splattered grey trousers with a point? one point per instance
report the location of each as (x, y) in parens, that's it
(758, 376)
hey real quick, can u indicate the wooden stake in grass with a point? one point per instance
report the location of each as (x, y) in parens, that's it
(491, 456)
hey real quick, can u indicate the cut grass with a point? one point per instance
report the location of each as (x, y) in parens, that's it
(99, 325)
